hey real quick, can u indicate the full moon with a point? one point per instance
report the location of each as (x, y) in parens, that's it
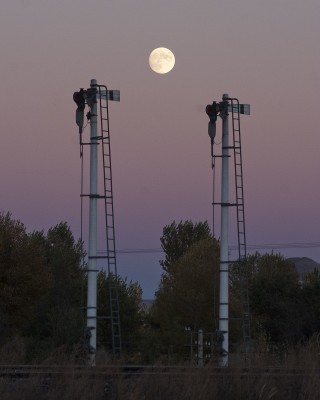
(161, 60)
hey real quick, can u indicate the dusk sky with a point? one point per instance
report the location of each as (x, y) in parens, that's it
(265, 53)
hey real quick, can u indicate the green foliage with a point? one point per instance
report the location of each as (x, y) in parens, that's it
(284, 310)
(24, 276)
(178, 238)
(131, 314)
(40, 286)
(275, 299)
(58, 321)
(310, 296)
(41, 282)
(64, 257)
(187, 296)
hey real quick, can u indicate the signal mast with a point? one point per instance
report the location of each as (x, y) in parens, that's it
(96, 98)
(222, 110)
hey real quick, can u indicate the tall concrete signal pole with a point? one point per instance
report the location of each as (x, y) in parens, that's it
(213, 111)
(91, 97)
(224, 241)
(81, 97)
(92, 250)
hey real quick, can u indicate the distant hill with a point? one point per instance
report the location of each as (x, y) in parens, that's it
(304, 265)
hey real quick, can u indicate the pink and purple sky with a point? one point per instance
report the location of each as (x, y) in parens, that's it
(265, 53)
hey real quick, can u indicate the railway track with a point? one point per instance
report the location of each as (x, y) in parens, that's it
(26, 371)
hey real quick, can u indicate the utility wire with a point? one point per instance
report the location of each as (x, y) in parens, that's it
(265, 246)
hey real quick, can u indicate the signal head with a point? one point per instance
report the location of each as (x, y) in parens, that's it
(79, 98)
(212, 111)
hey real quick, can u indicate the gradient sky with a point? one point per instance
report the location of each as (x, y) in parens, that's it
(265, 53)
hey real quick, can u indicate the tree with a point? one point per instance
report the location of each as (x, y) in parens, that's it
(284, 310)
(275, 299)
(188, 295)
(24, 278)
(310, 297)
(178, 238)
(130, 309)
(58, 319)
(64, 255)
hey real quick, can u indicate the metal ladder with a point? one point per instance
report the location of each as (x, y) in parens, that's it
(242, 249)
(110, 256)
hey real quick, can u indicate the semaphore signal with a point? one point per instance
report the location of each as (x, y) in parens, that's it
(222, 110)
(96, 98)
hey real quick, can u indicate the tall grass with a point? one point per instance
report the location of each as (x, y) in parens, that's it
(259, 376)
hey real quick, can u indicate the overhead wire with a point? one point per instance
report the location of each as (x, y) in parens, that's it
(264, 246)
